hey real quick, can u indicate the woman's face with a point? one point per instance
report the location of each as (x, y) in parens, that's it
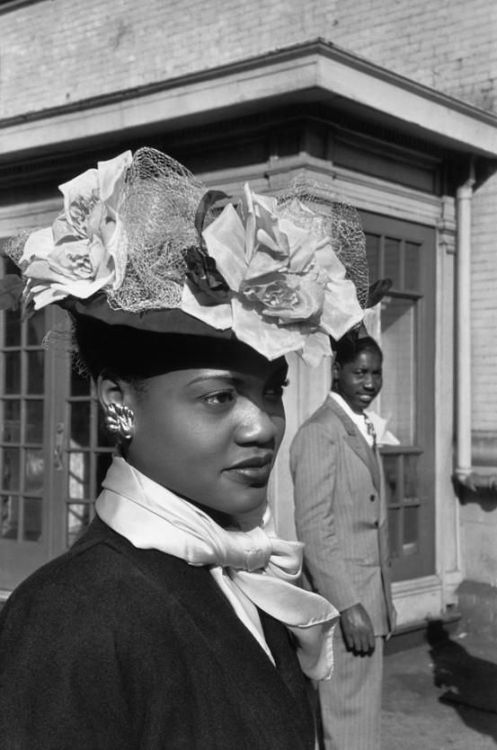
(211, 435)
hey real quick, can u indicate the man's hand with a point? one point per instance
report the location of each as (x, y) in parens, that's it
(357, 630)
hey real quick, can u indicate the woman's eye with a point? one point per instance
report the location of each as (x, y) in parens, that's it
(276, 391)
(220, 398)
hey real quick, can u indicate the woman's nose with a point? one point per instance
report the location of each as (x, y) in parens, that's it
(257, 425)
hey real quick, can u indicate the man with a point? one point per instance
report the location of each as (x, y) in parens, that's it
(340, 515)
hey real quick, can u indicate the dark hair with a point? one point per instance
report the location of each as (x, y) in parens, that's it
(349, 347)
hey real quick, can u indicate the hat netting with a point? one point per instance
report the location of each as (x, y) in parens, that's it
(314, 208)
(158, 213)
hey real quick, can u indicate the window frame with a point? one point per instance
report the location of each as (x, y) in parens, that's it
(413, 561)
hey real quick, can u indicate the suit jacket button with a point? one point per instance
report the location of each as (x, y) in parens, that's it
(372, 498)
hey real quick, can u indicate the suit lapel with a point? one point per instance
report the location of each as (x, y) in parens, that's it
(357, 442)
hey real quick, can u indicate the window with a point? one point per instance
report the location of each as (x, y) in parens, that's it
(53, 450)
(88, 453)
(23, 470)
(404, 325)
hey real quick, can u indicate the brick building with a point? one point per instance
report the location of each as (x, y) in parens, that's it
(388, 103)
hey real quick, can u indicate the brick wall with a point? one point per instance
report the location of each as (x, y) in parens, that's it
(449, 45)
(478, 607)
(57, 51)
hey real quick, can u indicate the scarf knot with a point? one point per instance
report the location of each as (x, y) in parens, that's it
(260, 564)
(243, 550)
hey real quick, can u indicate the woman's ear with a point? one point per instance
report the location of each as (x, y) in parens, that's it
(116, 397)
(113, 390)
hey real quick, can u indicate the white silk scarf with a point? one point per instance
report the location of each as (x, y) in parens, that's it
(261, 567)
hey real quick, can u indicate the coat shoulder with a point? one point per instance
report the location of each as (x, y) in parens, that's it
(325, 418)
(99, 574)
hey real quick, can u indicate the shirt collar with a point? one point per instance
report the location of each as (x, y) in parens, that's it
(357, 418)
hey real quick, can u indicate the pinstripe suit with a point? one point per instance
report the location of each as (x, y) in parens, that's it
(340, 515)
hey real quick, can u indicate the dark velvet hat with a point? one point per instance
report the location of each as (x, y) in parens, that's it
(142, 243)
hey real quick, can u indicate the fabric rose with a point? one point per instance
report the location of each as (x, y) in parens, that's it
(82, 252)
(288, 287)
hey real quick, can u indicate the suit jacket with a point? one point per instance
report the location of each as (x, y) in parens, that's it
(340, 514)
(114, 648)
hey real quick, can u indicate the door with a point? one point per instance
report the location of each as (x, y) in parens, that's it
(53, 449)
(405, 327)
(24, 469)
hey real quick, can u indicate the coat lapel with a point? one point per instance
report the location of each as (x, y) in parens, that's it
(208, 613)
(357, 442)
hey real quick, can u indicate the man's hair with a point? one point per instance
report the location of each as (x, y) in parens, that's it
(349, 347)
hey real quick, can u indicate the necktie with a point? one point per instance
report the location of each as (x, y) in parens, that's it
(370, 428)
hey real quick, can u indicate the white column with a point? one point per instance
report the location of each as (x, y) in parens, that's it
(463, 330)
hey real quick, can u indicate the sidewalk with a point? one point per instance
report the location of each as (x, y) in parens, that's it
(442, 695)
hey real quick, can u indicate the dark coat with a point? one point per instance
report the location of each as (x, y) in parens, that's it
(109, 647)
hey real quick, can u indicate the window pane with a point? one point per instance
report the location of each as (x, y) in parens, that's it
(80, 385)
(12, 328)
(80, 424)
(34, 472)
(393, 531)
(411, 532)
(391, 478)
(35, 329)
(9, 516)
(104, 439)
(412, 266)
(34, 421)
(398, 342)
(391, 266)
(35, 371)
(32, 519)
(79, 470)
(373, 254)
(411, 478)
(12, 364)
(12, 421)
(10, 478)
(78, 518)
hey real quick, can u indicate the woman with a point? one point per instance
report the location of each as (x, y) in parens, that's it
(174, 621)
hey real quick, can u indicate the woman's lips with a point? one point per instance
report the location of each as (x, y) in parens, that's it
(252, 471)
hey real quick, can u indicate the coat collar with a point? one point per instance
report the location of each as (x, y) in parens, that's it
(357, 441)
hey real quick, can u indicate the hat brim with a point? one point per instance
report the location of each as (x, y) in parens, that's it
(171, 320)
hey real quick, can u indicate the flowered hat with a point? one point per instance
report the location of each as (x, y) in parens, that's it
(141, 242)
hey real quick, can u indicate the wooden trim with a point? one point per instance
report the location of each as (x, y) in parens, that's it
(291, 54)
(23, 216)
(417, 599)
(8, 5)
(309, 72)
(365, 192)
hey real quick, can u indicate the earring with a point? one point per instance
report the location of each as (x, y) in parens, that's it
(120, 420)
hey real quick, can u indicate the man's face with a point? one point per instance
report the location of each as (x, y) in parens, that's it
(359, 381)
